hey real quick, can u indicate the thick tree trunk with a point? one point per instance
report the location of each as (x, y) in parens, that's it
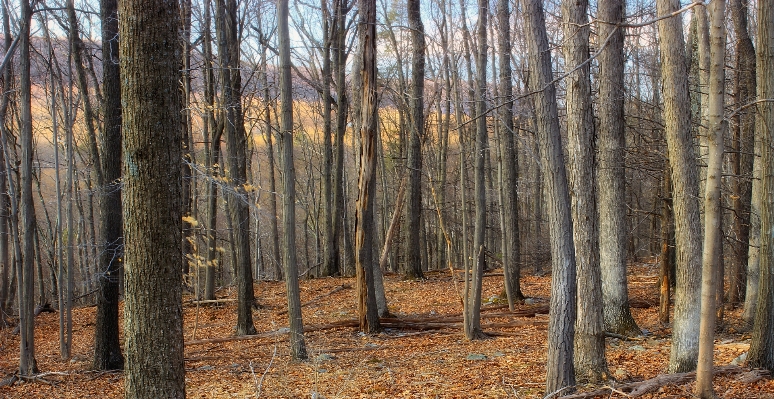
(711, 260)
(297, 344)
(762, 344)
(685, 331)
(153, 314)
(561, 326)
(589, 360)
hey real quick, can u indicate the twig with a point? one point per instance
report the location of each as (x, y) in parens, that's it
(335, 290)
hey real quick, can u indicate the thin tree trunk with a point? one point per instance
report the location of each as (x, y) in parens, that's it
(364, 216)
(26, 271)
(713, 213)
(297, 344)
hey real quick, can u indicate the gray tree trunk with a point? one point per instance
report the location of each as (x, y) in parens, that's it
(561, 325)
(685, 330)
(297, 343)
(590, 363)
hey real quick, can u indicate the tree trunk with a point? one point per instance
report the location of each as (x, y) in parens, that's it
(413, 261)
(150, 75)
(762, 344)
(473, 294)
(297, 344)
(611, 178)
(512, 249)
(589, 361)
(741, 151)
(685, 331)
(561, 325)
(713, 213)
(364, 216)
(236, 173)
(107, 348)
(26, 272)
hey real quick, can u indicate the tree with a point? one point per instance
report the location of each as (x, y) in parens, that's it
(589, 359)
(107, 347)
(512, 249)
(762, 344)
(26, 271)
(236, 147)
(712, 202)
(561, 325)
(297, 345)
(685, 331)
(742, 146)
(413, 261)
(474, 278)
(153, 313)
(364, 213)
(611, 176)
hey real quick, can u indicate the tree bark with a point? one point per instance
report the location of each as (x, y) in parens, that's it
(589, 360)
(685, 331)
(153, 314)
(561, 327)
(107, 347)
(713, 213)
(762, 344)
(364, 216)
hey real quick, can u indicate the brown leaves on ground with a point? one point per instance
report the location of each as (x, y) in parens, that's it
(425, 356)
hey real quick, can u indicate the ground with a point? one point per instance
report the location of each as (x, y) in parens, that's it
(399, 363)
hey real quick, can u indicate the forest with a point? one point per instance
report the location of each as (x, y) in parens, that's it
(372, 198)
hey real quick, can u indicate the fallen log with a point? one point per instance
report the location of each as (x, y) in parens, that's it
(637, 389)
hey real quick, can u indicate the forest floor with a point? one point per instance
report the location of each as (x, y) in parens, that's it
(424, 357)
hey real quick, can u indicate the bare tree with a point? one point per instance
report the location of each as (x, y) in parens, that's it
(297, 344)
(762, 344)
(364, 216)
(685, 331)
(561, 326)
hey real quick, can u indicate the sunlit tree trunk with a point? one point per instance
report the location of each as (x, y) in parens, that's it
(364, 216)
(712, 203)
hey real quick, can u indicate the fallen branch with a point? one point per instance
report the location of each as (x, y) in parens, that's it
(208, 301)
(335, 290)
(637, 389)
